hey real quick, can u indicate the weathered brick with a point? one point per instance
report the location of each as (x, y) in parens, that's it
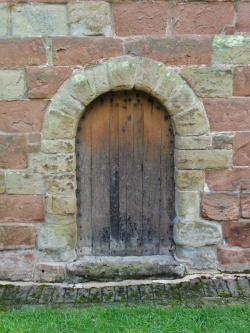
(61, 183)
(62, 205)
(4, 19)
(90, 18)
(201, 18)
(21, 208)
(39, 19)
(13, 152)
(60, 163)
(56, 237)
(12, 84)
(17, 236)
(24, 183)
(242, 80)
(58, 146)
(140, 19)
(16, 265)
(193, 142)
(43, 82)
(197, 257)
(230, 256)
(172, 51)
(245, 206)
(2, 182)
(22, 116)
(232, 114)
(242, 149)
(236, 233)
(209, 82)
(192, 122)
(71, 51)
(49, 272)
(189, 179)
(222, 141)
(220, 207)
(196, 233)
(243, 14)
(187, 204)
(236, 179)
(231, 50)
(203, 159)
(22, 52)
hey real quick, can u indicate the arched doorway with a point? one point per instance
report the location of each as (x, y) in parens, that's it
(125, 176)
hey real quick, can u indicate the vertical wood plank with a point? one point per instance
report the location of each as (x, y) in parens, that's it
(100, 177)
(151, 180)
(116, 245)
(134, 175)
(167, 212)
(84, 179)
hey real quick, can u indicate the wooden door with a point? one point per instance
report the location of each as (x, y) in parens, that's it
(125, 183)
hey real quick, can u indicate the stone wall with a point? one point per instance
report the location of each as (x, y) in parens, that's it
(47, 45)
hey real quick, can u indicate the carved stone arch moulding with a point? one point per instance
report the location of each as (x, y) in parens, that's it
(195, 238)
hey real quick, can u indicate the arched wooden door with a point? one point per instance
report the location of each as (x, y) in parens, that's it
(125, 183)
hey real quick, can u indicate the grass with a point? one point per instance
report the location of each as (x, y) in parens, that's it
(122, 319)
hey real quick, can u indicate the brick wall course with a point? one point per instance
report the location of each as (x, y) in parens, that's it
(236, 233)
(242, 149)
(201, 18)
(43, 82)
(228, 114)
(21, 208)
(171, 51)
(242, 81)
(13, 152)
(140, 19)
(81, 51)
(15, 52)
(22, 116)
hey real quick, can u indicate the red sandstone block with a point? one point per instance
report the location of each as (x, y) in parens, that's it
(229, 256)
(44, 82)
(237, 233)
(70, 51)
(231, 114)
(17, 236)
(172, 51)
(245, 206)
(49, 273)
(22, 51)
(22, 116)
(236, 179)
(16, 265)
(13, 152)
(200, 18)
(241, 85)
(242, 149)
(140, 18)
(220, 207)
(21, 208)
(243, 15)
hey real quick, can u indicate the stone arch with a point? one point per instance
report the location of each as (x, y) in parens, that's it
(57, 237)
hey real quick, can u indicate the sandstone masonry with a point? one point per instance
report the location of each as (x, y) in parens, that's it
(56, 56)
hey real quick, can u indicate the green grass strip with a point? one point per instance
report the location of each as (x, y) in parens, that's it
(124, 319)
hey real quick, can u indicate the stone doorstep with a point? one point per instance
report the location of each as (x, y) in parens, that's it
(193, 289)
(106, 268)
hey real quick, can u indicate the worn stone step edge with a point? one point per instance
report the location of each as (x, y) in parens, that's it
(190, 289)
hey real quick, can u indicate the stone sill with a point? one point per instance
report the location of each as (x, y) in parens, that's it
(108, 268)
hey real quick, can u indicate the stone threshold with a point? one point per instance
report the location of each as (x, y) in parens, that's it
(194, 290)
(106, 268)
